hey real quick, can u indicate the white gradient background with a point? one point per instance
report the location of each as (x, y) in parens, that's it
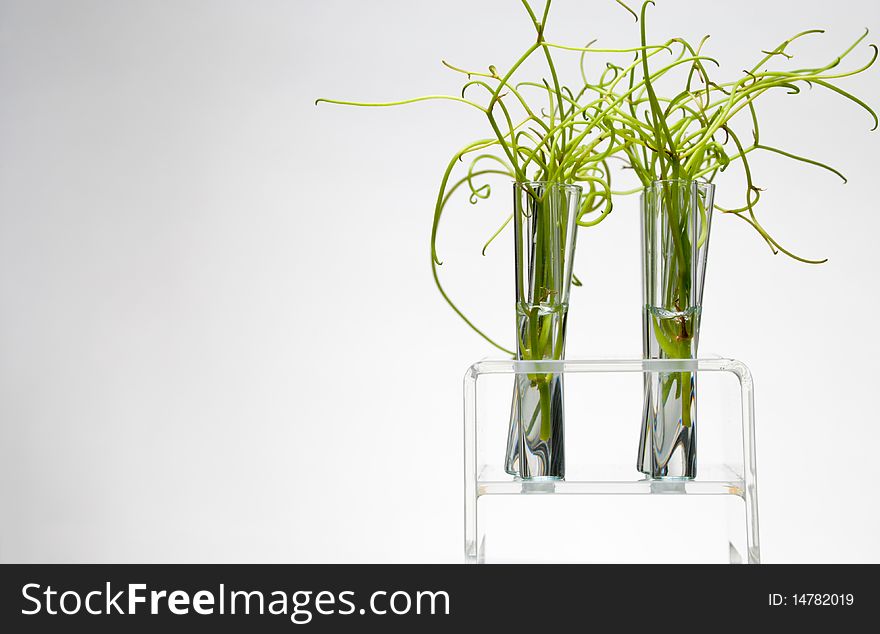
(219, 337)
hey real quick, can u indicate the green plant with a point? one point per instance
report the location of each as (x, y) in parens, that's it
(555, 143)
(688, 134)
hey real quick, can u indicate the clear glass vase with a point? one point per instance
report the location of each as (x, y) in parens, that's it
(676, 219)
(545, 228)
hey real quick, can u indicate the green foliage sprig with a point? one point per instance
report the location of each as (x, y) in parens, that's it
(555, 143)
(689, 135)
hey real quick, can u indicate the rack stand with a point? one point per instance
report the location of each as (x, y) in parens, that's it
(605, 510)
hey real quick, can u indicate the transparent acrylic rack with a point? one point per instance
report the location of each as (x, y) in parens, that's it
(605, 510)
